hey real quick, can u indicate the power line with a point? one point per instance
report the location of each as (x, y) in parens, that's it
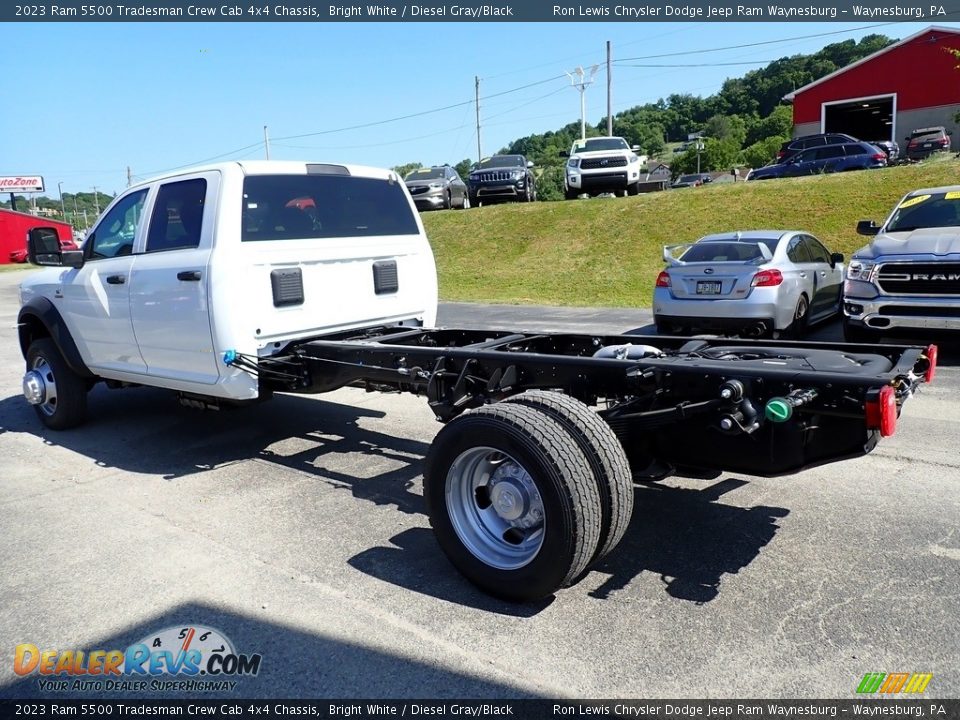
(690, 65)
(757, 44)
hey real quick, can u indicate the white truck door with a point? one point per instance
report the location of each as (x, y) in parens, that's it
(170, 288)
(96, 297)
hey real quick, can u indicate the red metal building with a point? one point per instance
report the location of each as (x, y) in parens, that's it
(13, 234)
(911, 84)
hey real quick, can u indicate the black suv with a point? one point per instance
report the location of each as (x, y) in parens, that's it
(792, 147)
(502, 177)
(923, 142)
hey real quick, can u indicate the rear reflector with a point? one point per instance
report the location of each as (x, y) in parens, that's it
(931, 355)
(663, 279)
(881, 407)
(767, 278)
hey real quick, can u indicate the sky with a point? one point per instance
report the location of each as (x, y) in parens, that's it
(91, 100)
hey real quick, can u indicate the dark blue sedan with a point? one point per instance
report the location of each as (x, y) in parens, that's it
(826, 159)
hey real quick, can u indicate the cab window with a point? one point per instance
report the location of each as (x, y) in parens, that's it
(177, 216)
(115, 233)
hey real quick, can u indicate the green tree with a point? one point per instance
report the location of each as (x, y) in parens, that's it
(726, 127)
(716, 155)
(763, 152)
(463, 168)
(402, 170)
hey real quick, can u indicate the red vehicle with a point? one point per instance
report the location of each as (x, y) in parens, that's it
(13, 234)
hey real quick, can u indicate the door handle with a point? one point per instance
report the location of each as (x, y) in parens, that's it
(116, 279)
(803, 274)
(188, 275)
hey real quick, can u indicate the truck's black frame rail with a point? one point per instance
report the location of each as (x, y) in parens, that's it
(697, 406)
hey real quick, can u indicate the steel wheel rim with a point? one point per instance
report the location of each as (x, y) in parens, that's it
(49, 405)
(495, 508)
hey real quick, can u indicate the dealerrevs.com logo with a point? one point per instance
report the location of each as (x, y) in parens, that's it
(188, 659)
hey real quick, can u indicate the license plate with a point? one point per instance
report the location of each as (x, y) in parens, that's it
(927, 145)
(708, 287)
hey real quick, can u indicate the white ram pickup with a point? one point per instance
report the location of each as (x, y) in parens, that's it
(240, 258)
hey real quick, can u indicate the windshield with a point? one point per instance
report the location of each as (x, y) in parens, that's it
(425, 174)
(727, 251)
(688, 178)
(295, 207)
(926, 211)
(926, 134)
(499, 161)
(593, 144)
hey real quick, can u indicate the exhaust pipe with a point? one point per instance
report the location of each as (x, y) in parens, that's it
(756, 330)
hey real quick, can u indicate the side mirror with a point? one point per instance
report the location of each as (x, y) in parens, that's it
(949, 132)
(867, 227)
(529, 163)
(836, 259)
(564, 153)
(43, 248)
(635, 148)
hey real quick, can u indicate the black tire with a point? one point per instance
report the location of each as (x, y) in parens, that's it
(571, 514)
(571, 194)
(853, 333)
(633, 189)
(608, 461)
(801, 317)
(66, 391)
(664, 328)
(447, 201)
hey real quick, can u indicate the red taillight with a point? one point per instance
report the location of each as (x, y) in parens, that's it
(945, 142)
(880, 156)
(912, 143)
(780, 155)
(663, 279)
(931, 373)
(881, 407)
(767, 278)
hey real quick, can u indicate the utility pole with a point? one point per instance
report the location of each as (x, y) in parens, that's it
(579, 80)
(609, 91)
(476, 87)
(266, 142)
(63, 210)
(96, 201)
(129, 177)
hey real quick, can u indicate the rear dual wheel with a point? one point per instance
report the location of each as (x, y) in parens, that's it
(514, 495)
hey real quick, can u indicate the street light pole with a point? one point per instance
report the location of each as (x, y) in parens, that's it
(63, 210)
(579, 80)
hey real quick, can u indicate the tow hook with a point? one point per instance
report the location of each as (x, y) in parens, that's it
(742, 417)
(34, 388)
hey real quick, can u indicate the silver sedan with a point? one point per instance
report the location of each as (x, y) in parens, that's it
(756, 283)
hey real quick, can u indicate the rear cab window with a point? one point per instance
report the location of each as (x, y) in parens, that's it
(723, 252)
(288, 207)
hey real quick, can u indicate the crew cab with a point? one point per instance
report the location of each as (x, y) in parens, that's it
(601, 165)
(246, 257)
(908, 277)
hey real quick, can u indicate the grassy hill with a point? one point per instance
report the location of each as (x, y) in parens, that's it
(607, 251)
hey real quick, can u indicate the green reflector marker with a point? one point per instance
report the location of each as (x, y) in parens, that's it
(778, 410)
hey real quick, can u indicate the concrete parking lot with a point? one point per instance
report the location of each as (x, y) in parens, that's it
(297, 529)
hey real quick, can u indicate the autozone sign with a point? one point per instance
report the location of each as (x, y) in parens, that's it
(21, 183)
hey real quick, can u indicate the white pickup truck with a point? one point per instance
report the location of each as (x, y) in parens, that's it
(232, 282)
(243, 257)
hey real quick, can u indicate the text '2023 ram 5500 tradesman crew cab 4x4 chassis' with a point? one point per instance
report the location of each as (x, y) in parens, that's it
(908, 277)
(232, 282)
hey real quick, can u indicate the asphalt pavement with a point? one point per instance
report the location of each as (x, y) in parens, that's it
(296, 528)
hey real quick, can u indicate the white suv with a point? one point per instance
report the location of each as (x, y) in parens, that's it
(602, 164)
